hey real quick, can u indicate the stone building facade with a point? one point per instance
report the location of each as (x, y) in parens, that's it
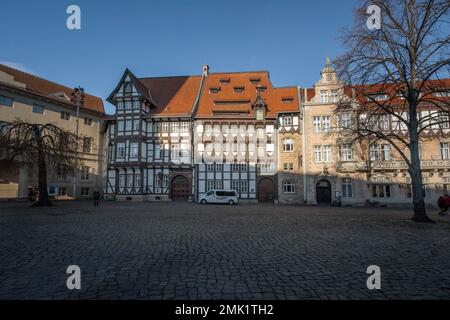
(31, 99)
(337, 169)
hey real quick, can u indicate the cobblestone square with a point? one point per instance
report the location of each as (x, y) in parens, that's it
(189, 251)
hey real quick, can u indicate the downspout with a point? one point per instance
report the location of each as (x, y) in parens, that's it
(193, 113)
(304, 162)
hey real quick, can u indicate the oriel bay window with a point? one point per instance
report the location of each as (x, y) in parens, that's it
(380, 152)
(346, 152)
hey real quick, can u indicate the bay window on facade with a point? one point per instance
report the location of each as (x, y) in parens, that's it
(346, 153)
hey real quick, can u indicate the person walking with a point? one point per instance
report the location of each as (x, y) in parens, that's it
(96, 198)
(443, 204)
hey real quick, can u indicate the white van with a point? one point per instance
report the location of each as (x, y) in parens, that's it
(219, 196)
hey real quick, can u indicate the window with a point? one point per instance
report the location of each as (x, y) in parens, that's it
(288, 187)
(210, 185)
(346, 120)
(136, 124)
(260, 114)
(322, 153)
(210, 167)
(165, 181)
(174, 127)
(287, 121)
(130, 180)
(128, 105)
(121, 150)
(443, 120)
(377, 97)
(128, 125)
(326, 124)
(235, 185)
(158, 151)
(136, 105)
(380, 152)
(120, 125)
(175, 151)
(287, 99)
(288, 167)
(133, 150)
(38, 109)
(317, 124)
(243, 167)
(346, 152)
(219, 167)
(347, 189)
(65, 115)
(288, 145)
(214, 90)
(184, 127)
(158, 181)
(218, 184)
(87, 145)
(137, 180)
(381, 191)
(260, 133)
(317, 153)
(445, 150)
(334, 95)
(120, 105)
(235, 167)
(255, 80)
(88, 121)
(165, 127)
(85, 173)
(6, 101)
(244, 186)
(84, 192)
(121, 181)
(324, 96)
(239, 89)
(327, 153)
(157, 127)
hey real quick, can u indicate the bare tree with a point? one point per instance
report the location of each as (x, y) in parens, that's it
(43, 144)
(393, 74)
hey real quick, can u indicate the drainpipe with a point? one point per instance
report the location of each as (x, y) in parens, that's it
(304, 162)
(194, 179)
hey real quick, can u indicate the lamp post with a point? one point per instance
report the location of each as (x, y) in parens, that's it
(78, 98)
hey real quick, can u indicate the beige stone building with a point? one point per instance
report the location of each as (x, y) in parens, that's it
(31, 99)
(335, 169)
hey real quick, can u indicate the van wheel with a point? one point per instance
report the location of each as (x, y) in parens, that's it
(203, 201)
(231, 203)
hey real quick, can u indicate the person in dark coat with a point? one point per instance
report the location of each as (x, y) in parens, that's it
(443, 204)
(96, 198)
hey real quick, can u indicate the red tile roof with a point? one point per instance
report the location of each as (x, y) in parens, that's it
(49, 88)
(228, 100)
(173, 96)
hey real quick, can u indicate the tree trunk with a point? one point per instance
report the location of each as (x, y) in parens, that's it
(44, 200)
(415, 172)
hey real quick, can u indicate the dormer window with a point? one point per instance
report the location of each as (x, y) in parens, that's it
(214, 90)
(255, 80)
(261, 88)
(377, 97)
(287, 99)
(224, 81)
(239, 89)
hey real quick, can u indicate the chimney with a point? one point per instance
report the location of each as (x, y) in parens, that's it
(205, 70)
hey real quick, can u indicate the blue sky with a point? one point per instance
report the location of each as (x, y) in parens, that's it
(289, 38)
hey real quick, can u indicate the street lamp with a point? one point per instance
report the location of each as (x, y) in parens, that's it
(78, 99)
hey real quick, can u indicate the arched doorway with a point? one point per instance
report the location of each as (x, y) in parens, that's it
(180, 189)
(266, 190)
(323, 192)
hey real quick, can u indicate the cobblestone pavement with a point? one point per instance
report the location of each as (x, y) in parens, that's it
(189, 251)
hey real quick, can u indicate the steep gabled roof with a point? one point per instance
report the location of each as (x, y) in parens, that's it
(52, 90)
